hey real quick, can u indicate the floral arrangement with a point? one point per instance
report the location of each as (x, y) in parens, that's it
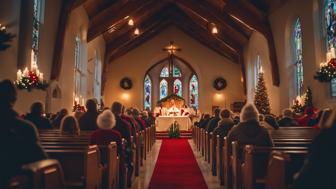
(77, 107)
(298, 105)
(30, 79)
(327, 71)
(174, 130)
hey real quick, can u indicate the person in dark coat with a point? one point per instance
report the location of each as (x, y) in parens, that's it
(204, 122)
(56, 123)
(287, 119)
(319, 168)
(36, 116)
(87, 122)
(224, 126)
(249, 130)
(19, 139)
(213, 121)
(271, 121)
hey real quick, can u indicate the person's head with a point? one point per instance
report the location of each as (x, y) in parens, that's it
(287, 113)
(116, 108)
(70, 125)
(324, 117)
(63, 112)
(7, 94)
(270, 119)
(225, 113)
(106, 120)
(37, 108)
(135, 112)
(145, 114)
(236, 119)
(206, 116)
(91, 105)
(217, 112)
(249, 113)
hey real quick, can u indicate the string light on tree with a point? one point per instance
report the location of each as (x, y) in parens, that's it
(261, 100)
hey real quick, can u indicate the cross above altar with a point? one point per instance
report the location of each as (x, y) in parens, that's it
(171, 49)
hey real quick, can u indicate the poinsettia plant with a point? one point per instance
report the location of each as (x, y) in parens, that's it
(174, 130)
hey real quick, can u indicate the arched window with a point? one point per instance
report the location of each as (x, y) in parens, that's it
(37, 20)
(178, 87)
(164, 72)
(80, 73)
(329, 12)
(97, 78)
(148, 93)
(170, 81)
(193, 91)
(298, 57)
(163, 88)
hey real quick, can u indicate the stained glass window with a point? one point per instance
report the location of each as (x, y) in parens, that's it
(298, 57)
(164, 72)
(163, 89)
(37, 18)
(148, 93)
(97, 76)
(176, 72)
(178, 87)
(330, 24)
(80, 80)
(193, 91)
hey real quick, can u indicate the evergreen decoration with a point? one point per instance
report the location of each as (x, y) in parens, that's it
(77, 107)
(261, 100)
(31, 81)
(327, 71)
(297, 106)
(174, 130)
(308, 99)
(5, 38)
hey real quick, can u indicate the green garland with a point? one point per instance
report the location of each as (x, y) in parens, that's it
(327, 71)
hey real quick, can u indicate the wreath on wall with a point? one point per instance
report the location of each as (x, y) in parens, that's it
(219, 83)
(126, 83)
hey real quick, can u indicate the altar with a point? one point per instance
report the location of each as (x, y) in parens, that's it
(163, 123)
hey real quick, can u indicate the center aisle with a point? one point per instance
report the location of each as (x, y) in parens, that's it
(176, 167)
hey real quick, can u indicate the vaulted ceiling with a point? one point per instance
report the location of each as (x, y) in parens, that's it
(235, 19)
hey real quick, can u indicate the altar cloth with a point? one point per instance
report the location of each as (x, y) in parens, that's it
(163, 123)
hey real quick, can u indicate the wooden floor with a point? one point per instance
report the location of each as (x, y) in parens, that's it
(149, 165)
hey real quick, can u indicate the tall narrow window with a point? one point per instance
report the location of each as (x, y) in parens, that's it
(97, 78)
(298, 57)
(163, 88)
(193, 91)
(164, 72)
(176, 72)
(80, 73)
(148, 93)
(178, 87)
(330, 33)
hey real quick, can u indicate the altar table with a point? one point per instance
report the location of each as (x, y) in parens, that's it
(164, 122)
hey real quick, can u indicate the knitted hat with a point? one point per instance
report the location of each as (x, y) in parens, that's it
(249, 112)
(106, 120)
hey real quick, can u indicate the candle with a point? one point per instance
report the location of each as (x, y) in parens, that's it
(261, 70)
(25, 72)
(18, 75)
(38, 72)
(41, 76)
(76, 100)
(333, 54)
(329, 56)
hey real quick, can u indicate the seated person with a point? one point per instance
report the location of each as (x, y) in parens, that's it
(287, 119)
(87, 122)
(19, 137)
(213, 121)
(69, 125)
(36, 116)
(56, 123)
(249, 130)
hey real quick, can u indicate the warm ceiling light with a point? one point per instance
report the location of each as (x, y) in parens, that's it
(131, 22)
(214, 30)
(136, 31)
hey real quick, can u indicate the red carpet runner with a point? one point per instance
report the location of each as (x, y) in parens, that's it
(176, 167)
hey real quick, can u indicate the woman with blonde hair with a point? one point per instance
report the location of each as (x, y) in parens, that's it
(69, 125)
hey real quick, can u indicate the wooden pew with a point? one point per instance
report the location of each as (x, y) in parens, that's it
(80, 165)
(45, 174)
(110, 162)
(276, 171)
(250, 168)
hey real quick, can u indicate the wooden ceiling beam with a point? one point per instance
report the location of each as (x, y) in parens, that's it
(239, 10)
(111, 17)
(211, 16)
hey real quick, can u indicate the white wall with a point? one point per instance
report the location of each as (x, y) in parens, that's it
(208, 65)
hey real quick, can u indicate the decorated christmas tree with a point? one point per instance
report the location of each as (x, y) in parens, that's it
(298, 105)
(261, 100)
(308, 99)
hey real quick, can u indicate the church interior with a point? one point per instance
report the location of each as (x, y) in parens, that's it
(107, 94)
